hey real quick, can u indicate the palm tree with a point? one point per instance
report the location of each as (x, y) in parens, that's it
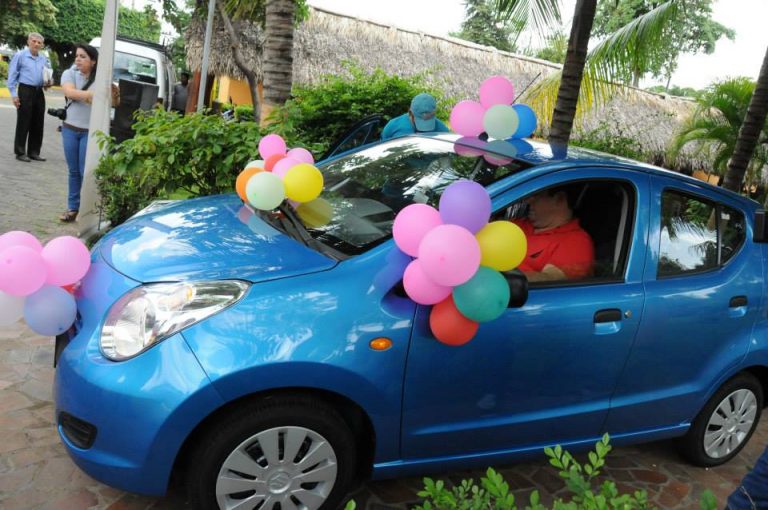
(754, 124)
(716, 123)
(278, 54)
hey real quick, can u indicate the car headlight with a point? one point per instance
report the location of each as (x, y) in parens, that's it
(153, 312)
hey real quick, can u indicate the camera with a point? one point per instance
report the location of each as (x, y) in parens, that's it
(59, 113)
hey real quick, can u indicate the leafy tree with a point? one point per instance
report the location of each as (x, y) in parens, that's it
(554, 51)
(675, 90)
(693, 31)
(20, 17)
(482, 26)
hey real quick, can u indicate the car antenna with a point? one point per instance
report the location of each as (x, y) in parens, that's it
(518, 96)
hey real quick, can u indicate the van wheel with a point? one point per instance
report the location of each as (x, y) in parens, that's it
(279, 453)
(726, 423)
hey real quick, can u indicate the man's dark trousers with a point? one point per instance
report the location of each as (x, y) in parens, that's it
(29, 120)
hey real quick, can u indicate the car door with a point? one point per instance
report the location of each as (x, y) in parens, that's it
(539, 374)
(703, 283)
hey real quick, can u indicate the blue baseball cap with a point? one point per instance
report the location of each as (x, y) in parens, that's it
(423, 108)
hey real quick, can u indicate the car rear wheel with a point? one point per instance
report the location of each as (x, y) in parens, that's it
(281, 453)
(726, 423)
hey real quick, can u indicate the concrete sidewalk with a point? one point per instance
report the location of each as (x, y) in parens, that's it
(36, 473)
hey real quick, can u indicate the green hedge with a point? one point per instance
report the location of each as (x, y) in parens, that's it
(3, 70)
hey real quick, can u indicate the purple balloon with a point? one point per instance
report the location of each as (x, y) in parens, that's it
(412, 224)
(467, 204)
(467, 118)
(19, 238)
(50, 311)
(22, 271)
(420, 288)
(449, 255)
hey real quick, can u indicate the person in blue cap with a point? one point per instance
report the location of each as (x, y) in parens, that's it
(420, 118)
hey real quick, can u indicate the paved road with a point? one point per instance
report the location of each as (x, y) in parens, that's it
(35, 472)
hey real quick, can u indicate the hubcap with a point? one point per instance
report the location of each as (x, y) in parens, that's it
(730, 423)
(285, 467)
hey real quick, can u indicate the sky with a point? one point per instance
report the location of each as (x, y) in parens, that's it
(741, 57)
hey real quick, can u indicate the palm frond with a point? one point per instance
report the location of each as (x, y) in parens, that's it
(543, 13)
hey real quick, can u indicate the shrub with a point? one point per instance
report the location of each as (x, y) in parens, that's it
(323, 112)
(3, 70)
(604, 139)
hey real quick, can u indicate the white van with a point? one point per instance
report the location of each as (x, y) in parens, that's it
(143, 61)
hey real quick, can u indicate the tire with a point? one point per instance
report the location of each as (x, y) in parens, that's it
(244, 457)
(725, 424)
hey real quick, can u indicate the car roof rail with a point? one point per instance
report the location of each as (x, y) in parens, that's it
(156, 46)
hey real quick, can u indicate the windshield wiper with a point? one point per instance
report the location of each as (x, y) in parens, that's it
(293, 221)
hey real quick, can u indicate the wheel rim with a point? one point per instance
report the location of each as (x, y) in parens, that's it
(294, 467)
(730, 424)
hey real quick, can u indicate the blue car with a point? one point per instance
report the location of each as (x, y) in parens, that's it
(272, 359)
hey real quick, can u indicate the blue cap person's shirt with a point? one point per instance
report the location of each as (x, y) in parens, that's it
(423, 108)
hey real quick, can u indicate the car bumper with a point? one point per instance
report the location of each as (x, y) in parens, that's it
(123, 423)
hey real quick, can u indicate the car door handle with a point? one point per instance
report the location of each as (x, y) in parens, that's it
(607, 315)
(737, 301)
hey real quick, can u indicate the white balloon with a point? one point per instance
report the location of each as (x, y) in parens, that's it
(11, 308)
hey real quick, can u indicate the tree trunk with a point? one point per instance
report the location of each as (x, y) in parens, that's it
(234, 42)
(573, 70)
(749, 133)
(278, 55)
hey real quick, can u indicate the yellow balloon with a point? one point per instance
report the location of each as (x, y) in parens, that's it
(502, 245)
(303, 182)
(316, 213)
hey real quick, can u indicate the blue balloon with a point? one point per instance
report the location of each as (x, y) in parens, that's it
(50, 311)
(527, 121)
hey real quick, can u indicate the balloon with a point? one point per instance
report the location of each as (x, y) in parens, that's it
(500, 121)
(67, 259)
(412, 224)
(302, 155)
(256, 163)
(19, 238)
(469, 146)
(271, 161)
(465, 203)
(50, 311)
(315, 213)
(449, 255)
(22, 271)
(449, 326)
(420, 288)
(496, 90)
(502, 245)
(242, 180)
(271, 145)
(484, 297)
(11, 308)
(285, 164)
(497, 147)
(244, 213)
(467, 118)
(303, 182)
(526, 121)
(265, 191)
(521, 146)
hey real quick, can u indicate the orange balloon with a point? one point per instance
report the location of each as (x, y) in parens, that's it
(448, 324)
(242, 180)
(269, 163)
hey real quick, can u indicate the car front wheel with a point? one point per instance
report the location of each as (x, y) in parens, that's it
(280, 453)
(726, 423)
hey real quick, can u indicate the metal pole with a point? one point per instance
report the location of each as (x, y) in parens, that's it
(206, 51)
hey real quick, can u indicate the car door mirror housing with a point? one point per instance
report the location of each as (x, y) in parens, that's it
(760, 234)
(518, 288)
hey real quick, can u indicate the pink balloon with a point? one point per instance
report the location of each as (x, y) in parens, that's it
(412, 224)
(22, 271)
(301, 155)
(469, 146)
(467, 118)
(449, 255)
(285, 164)
(496, 90)
(67, 259)
(271, 145)
(19, 238)
(420, 288)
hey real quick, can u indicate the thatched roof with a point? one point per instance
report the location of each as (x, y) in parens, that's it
(220, 60)
(325, 41)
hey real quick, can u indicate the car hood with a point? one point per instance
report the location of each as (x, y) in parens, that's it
(206, 238)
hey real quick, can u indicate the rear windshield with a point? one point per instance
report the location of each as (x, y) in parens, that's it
(133, 67)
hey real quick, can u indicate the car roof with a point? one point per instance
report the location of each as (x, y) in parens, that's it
(133, 48)
(543, 154)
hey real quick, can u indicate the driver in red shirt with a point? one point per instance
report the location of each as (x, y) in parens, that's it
(558, 248)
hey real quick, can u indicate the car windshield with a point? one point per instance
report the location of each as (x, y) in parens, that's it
(133, 67)
(364, 191)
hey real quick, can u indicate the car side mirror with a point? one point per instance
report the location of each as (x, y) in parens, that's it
(518, 288)
(760, 234)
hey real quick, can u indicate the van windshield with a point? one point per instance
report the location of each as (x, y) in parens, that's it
(134, 67)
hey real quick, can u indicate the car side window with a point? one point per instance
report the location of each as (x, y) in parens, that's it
(733, 228)
(688, 241)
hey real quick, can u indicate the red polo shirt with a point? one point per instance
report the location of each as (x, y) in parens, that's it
(567, 247)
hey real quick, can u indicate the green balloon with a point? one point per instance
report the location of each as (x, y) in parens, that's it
(484, 297)
(500, 121)
(265, 191)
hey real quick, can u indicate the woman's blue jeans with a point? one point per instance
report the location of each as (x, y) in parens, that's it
(75, 143)
(752, 494)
